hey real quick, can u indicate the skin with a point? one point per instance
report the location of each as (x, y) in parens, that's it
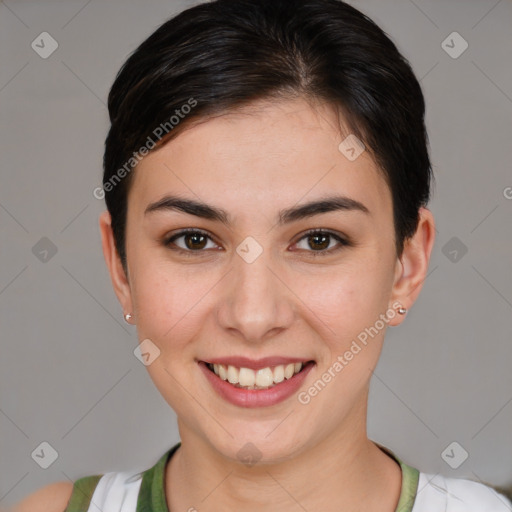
(253, 163)
(51, 498)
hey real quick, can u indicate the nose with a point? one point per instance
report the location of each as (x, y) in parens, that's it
(257, 303)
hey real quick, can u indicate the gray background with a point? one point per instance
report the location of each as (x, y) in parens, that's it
(68, 374)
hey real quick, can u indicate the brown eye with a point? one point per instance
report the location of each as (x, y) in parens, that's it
(319, 242)
(193, 241)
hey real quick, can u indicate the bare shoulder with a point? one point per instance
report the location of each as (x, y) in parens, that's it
(50, 498)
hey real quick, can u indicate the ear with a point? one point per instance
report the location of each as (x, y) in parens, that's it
(411, 269)
(113, 261)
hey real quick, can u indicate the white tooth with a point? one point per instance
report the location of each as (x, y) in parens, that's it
(232, 374)
(264, 377)
(288, 371)
(246, 377)
(279, 374)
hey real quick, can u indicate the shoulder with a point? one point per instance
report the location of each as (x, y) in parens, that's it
(51, 498)
(113, 491)
(436, 492)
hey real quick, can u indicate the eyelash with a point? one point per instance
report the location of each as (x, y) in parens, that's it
(343, 242)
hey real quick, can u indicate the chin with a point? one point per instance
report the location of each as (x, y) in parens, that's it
(261, 448)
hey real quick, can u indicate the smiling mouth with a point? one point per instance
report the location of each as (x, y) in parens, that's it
(263, 378)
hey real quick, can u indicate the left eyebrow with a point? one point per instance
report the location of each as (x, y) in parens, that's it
(286, 216)
(329, 204)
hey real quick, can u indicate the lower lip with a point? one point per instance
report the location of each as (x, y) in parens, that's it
(256, 397)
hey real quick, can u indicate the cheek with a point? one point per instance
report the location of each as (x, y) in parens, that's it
(163, 305)
(171, 303)
(159, 301)
(349, 300)
(351, 292)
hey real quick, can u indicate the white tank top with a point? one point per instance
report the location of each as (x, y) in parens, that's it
(128, 491)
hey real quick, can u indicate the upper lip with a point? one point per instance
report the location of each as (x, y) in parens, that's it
(255, 364)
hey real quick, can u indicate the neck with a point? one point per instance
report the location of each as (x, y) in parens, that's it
(355, 475)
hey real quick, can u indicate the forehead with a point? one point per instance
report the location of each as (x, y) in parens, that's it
(269, 153)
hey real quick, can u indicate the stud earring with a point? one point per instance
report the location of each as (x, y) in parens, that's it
(128, 317)
(402, 311)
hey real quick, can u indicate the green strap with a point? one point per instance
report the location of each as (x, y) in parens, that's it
(152, 488)
(410, 478)
(83, 489)
(152, 491)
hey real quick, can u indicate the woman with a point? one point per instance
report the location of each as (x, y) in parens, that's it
(266, 176)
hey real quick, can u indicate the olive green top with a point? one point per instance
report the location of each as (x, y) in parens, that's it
(151, 496)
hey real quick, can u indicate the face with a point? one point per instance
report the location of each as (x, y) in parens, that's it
(259, 276)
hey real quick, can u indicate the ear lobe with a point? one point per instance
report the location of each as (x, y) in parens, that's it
(117, 274)
(412, 267)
